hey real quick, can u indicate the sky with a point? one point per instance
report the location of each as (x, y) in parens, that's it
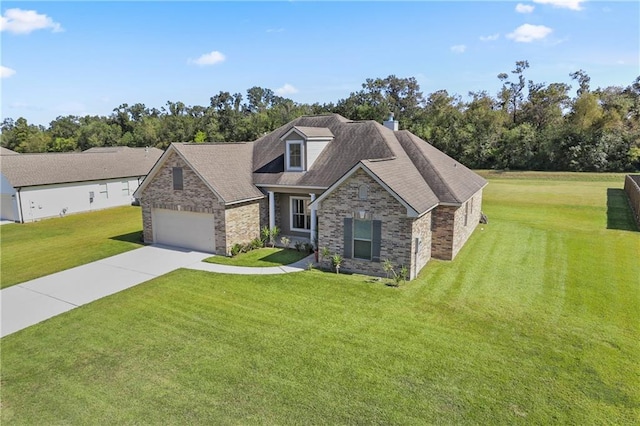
(87, 58)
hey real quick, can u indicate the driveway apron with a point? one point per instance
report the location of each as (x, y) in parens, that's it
(34, 301)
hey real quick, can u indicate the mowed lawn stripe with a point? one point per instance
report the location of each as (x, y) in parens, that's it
(535, 322)
(33, 250)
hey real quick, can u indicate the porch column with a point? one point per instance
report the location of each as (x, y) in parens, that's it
(313, 223)
(272, 210)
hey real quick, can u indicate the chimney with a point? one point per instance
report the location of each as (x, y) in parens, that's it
(391, 123)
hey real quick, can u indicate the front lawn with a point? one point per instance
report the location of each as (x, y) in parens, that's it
(32, 250)
(262, 257)
(537, 321)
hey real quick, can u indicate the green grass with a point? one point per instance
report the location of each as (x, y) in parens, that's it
(537, 321)
(263, 257)
(32, 250)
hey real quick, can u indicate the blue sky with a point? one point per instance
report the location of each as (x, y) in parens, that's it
(61, 58)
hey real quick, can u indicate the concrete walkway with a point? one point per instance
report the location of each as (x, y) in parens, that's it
(31, 302)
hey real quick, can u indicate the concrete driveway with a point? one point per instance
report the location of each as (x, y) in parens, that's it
(34, 301)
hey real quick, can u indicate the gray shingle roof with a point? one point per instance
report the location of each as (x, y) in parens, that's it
(51, 168)
(415, 171)
(353, 141)
(451, 181)
(7, 151)
(314, 132)
(226, 167)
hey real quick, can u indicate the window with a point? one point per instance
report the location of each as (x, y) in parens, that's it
(295, 156)
(177, 178)
(363, 192)
(104, 191)
(125, 189)
(362, 239)
(300, 217)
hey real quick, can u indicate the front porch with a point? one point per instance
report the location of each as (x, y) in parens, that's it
(288, 210)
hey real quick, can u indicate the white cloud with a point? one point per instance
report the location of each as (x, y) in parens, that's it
(275, 30)
(287, 89)
(563, 4)
(492, 37)
(18, 21)
(527, 33)
(458, 48)
(524, 8)
(6, 72)
(212, 58)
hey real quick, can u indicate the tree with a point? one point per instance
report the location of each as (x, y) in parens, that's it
(511, 93)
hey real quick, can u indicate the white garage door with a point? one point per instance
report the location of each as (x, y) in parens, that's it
(190, 230)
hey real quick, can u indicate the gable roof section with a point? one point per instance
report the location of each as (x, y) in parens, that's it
(224, 167)
(452, 182)
(7, 151)
(52, 168)
(353, 141)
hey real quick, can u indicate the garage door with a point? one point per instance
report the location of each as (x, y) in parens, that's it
(190, 230)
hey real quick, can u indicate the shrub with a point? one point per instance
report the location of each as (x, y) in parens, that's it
(236, 248)
(308, 247)
(298, 245)
(397, 276)
(285, 241)
(256, 243)
(336, 261)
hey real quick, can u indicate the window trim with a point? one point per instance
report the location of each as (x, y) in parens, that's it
(126, 189)
(307, 216)
(104, 189)
(370, 240)
(173, 179)
(287, 157)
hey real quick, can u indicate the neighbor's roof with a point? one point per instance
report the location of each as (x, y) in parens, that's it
(51, 168)
(7, 151)
(225, 167)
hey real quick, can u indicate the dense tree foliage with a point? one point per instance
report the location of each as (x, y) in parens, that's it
(526, 125)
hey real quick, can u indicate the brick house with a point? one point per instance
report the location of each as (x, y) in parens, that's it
(367, 191)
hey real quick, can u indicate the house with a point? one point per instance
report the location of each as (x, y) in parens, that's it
(38, 186)
(366, 191)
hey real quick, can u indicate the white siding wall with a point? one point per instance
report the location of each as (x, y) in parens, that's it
(40, 202)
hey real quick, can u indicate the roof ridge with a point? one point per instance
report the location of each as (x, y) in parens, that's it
(435, 169)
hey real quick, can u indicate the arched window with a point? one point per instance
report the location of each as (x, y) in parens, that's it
(363, 192)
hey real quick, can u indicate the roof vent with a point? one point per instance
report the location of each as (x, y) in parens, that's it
(391, 123)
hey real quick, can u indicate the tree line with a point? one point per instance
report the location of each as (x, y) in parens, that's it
(526, 125)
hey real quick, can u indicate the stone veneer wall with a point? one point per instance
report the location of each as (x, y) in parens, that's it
(449, 229)
(421, 228)
(195, 197)
(632, 188)
(242, 223)
(396, 244)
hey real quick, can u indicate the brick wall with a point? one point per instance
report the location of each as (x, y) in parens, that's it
(195, 197)
(242, 223)
(396, 244)
(632, 188)
(451, 229)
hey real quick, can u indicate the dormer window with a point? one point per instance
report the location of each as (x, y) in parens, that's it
(295, 155)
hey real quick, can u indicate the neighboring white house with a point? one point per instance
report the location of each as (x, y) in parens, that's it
(37, 186)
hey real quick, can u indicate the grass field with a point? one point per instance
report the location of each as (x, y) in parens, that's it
(263, 257)
(537, 321)
(33, 250)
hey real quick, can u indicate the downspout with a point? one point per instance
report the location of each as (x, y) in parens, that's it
(20, 206)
